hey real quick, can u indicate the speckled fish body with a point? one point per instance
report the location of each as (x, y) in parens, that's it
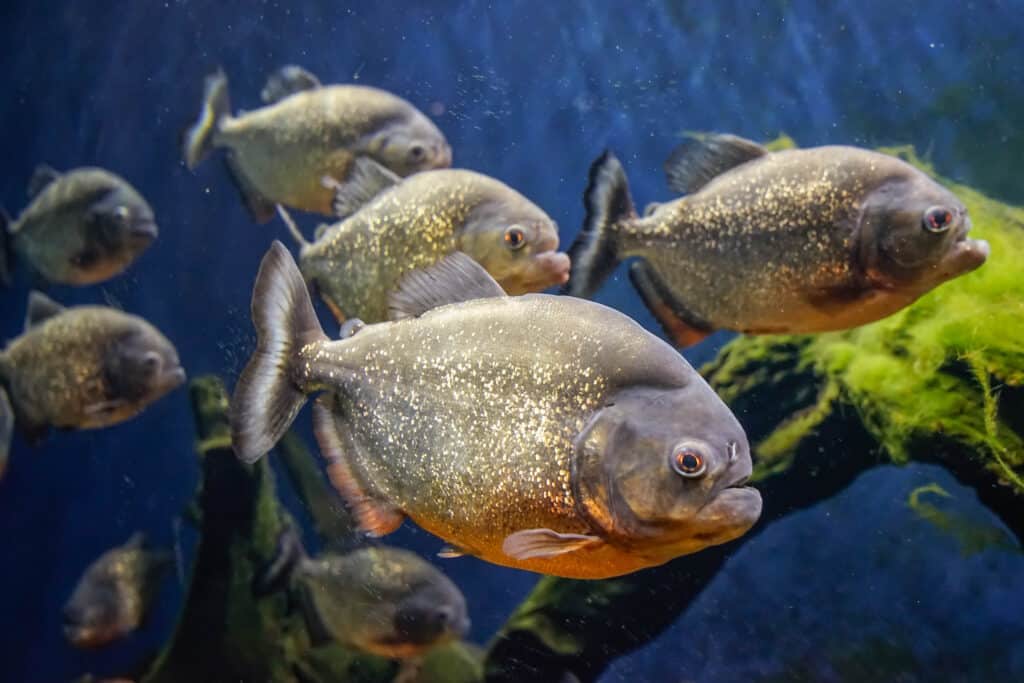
(790, 242)
(387, 601)
(114, 594)
(479, 420)
(280, 153)
(357, 262)
(81, 227)
(379, 599)
(85, 367)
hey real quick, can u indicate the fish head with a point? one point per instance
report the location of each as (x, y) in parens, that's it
(121, 221)
(517, 243)
(140, 364)
(411, 145)
(433, 612)
(662, 472)
(913, 233)
(92, 620)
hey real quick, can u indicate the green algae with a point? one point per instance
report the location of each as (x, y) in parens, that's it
(934, 370)
(972, 536)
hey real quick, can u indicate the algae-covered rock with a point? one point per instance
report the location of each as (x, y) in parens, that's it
(937, 382)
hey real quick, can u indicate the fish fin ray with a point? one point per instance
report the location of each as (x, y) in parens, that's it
(277, 573)
(41, 178)
(287, 81)
(199, 139)
(450, 552)
(680, 325)
(698, 159)
(266, 398)
(453, 279)
(293, 229)
(6, 429)
(40, 309)
(6, 249)
(544, 543)
(366, 179)
(373, 516)
(594, 254)
(260, 208)
(103, 407)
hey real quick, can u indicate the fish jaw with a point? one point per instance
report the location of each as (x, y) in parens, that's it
(546, 269)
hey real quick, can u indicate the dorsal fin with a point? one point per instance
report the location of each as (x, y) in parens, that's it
(696, 161)
(366, 180)
(287, 81)
(41, 177)
(40, 308)
(455, 278)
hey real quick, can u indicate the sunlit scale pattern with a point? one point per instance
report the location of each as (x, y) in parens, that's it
(55, 371)
(466, 417)
(764, 245)
(284, 150)
(360, 260)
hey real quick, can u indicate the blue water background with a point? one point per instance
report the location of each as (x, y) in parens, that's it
(531, 93)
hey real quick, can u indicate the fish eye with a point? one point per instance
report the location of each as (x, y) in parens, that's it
(122, 213)
(937, 219)
(515, 237)
(417, 152)
(151, 361)
(689, 462)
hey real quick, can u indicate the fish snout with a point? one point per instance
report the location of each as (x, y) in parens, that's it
(143, 231)
(554, 267)
(443, 156)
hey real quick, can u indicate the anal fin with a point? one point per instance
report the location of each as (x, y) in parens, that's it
(374, 516)
(260, 208)
(681, 326)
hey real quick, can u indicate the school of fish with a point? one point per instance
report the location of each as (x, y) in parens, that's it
(538, 431)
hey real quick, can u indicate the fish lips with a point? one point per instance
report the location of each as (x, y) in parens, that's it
(143, 231)
(547, 269)
(965, 254)
(171, 378)
(730, 514)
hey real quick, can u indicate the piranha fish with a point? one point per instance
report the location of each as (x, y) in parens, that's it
(385, 601)
(114, 595)
(539, 432)
(81, 227)
(797, 241)
(279, 153)
(394, 226)
(83, 367)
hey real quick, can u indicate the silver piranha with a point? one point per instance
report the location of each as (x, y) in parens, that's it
(114, 594)
(83, 367)
(386, 601)
(279, 153)
(795, 241)
(81, 227)
(540, 432)
(412, 223)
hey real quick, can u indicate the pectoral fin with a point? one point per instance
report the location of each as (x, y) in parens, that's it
(450, 552)
(366, 179)
(375, 516)
(260, 208)
(531, 543)
(681, 326)
(104, 407)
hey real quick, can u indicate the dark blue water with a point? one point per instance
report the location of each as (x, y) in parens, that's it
(531, 92)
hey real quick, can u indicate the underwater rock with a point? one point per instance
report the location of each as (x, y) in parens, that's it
(939, 382)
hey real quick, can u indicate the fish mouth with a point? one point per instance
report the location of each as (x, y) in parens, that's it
(731, 513)
(172, 378)
(966, 254)
(553, 268)
(144, 231)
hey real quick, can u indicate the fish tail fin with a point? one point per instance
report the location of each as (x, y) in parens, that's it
(276, 574)
(300, 241)
(198, 140)
(608, 203)
(6, 429)
(268, 395)
(6, 249)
